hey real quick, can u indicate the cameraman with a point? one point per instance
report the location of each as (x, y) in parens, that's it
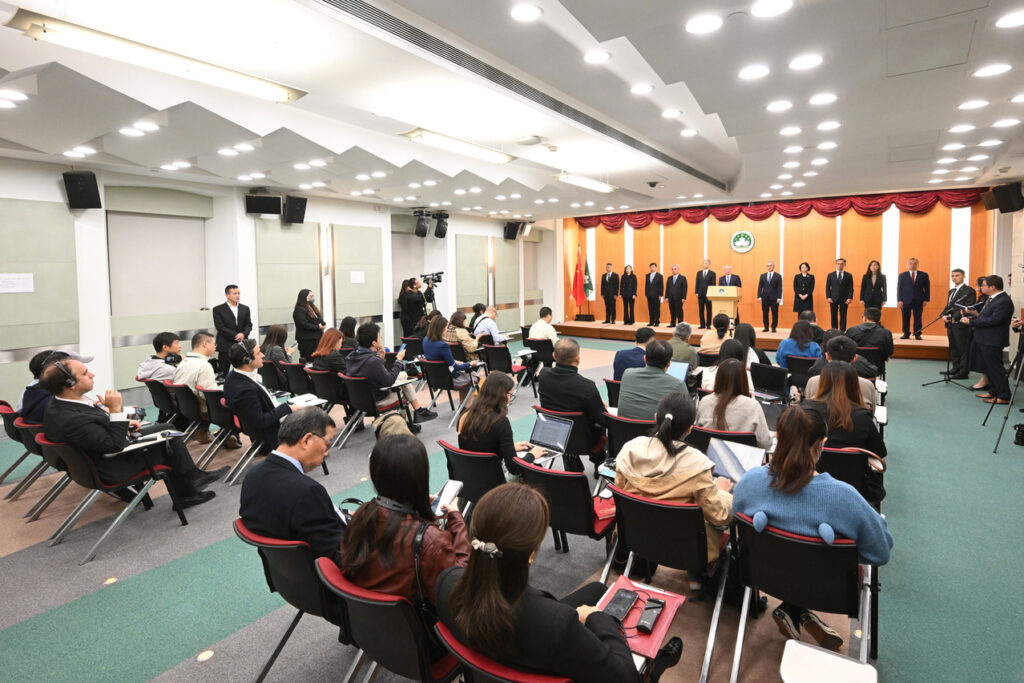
(413, 303)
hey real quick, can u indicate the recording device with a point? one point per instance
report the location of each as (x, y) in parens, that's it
(620, 604)
(431, 279)
(449, 492)
(649, 617)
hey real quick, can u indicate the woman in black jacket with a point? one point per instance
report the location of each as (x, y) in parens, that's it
(872, 286)
(309, 324)
(348, 330)
(627, 290)
(484, 427)
(327, 355)
(850, 424)
(803, 289)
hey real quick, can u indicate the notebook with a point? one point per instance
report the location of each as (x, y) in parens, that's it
(733, 460)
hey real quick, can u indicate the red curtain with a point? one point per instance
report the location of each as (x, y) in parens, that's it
(865, 205)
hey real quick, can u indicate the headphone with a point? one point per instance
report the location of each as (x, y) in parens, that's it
(395, 506)
(69, 379)
(247, 358)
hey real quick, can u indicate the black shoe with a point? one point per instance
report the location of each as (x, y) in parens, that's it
(905, 336)
(773, 330)
(670, 325)
(668, 656)
(197, 498)
(200, 479)
(415, 428)
(917, 337)
(765, 329)
(423, 415)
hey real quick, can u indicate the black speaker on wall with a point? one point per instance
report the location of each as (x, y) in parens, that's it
(989, 200)
(82, 190)
(294, 209)
(262, 203)
(512, 229)
(1009, 197)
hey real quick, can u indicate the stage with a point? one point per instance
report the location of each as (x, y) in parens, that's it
(931, 346)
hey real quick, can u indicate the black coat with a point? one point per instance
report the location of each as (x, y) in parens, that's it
(992, 326)
(701, 283)
(653, 286)
(803, 285)
(564, 389)
(677, 289)
(499, 440)
(610, 284)
(839, 290)
(965, 297)
(872, 334)
(769, 292)
(228, 327)
(627, 286)
(874, 295)
(307, 327)
(254, 407)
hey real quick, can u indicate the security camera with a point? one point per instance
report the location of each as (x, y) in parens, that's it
(652, 183)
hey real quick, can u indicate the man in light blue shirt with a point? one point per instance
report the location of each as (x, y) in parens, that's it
(487, 325)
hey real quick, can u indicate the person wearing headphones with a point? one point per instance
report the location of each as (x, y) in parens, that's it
(164, 363)
(98, 427)
(249, 399)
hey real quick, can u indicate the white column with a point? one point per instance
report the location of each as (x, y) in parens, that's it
(781, 268)
(93, 275)
(705, 238)
(628, 243)
(891, 251)
(839, 235)
(960, 241)
(387, 322)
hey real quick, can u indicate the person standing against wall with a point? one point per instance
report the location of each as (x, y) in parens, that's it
(609, 290)
(233, 324)
(309, 324)
(627, 290)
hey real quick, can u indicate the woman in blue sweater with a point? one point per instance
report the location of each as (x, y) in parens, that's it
(788, 494)
(800, 343)
(436, 348)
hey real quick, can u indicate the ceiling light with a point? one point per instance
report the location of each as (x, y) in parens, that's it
(688, 132)
(704, 23)
(991, 70)
(1017, 99)
(457, 146)
(147, 126)
(585, 182)
(492, 213)
(609, 208)
(828, 125)
(132, 132)
(973, 104)
(319, 163)
(415, 186)
(791, 164)
(770, 8)
(185, 164)
(574, 205)
(670, 114)
(946, 160)
(256, 175)
(7, 104)
(765, 195)
(804, 62)
(525, 12)
(968, 169)
(305, 186)
(398, 199)
(227, 152)
(516, 215)
(434, 204)
(83, 149)
(243, 178)
(785, 176)
(820, 161)
(990, 143)
(779, 105)
(466, 208)
(354, 193)
(553, 200)
(641, 88)
(753, 72)
(244, 147)
(977, 157)
(952, 147)
(1006, 123)
(363, 176)
(500, 197)
(13, 95)
(682, 196)
(367, 191)
(827, 145)
(940, 171)
(787, 193)
(962, 179)
(623, 206)
(790, 130)
(477, 208)
(585, 204)
(793, 149)
(961, 128)
(777, 186)
(460, 192)
(799, 183)
(596, 56)
(410, 197)
(78, 155)
(698, 196)
(936, 180)
(810, 174)
(538, 201)
(429, 183)
(1011, 20)
(823, 98)
(475, 190)
(301, 166)
(320, 183)
(379, 174)
(446, 203)
(515, 195)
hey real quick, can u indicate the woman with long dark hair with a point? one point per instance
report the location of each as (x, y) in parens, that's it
(730, 407)
(788, 494)
(411, 305)
(731, 348)
(348, 330)
(850, 424)
(436, 348)
(485, 427)
(478, 311)
(746, 335)
(273, 346)
(872, 286)
(327, 355)
(377, 549)
(803, 289)
(627, 290)
(712, 340)
(309, 323)
(800, 343)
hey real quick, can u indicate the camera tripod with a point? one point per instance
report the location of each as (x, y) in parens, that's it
(1015, 371)
(949, 359)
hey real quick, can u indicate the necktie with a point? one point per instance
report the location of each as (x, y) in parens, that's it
(953, 295)
(913, 276)
(727, 278)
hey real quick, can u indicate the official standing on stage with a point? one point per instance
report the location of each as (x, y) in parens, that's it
(609, 290)
(730, 280)
(839, 294)
(233, 324)
(769, 293)
(803, 289)
(627, 290)
(913, 291)
(654, 287)
(991, 335)
(675, 292)
(872, 286)
(705, 278)
(956, 333)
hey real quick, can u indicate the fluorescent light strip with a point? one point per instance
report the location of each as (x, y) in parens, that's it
(891, 250)
(585, 182)
(457, 146)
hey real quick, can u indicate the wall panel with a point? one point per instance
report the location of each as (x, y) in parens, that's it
(748, 266)
(811, 239)
(646, 249)
(357, 250)
(684, 244)
(926, 237)
(506, 283)
(572, 237)
(470, 270)
(861, 241)
(981, 242)
(287, 260)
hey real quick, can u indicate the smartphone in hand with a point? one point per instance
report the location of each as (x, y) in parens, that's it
(449, 492)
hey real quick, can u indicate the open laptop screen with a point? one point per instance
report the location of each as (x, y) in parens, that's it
(551, 432)
(678, 370)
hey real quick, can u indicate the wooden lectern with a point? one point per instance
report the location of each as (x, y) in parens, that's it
(726, 300)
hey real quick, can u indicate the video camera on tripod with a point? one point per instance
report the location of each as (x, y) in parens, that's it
(431, 279)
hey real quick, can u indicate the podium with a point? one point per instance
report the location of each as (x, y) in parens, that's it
(725, 300)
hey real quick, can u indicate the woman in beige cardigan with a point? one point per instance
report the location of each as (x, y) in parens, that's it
(456, 333)
(663, 467)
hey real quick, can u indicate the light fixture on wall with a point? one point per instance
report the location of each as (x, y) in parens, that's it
(441, 226)
(585, 182)
(450, 144)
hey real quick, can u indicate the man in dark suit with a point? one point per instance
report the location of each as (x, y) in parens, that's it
(956, 333)
(991, 335)
(100, 428)
(913, 291)
(730, 280)
(564, 389)
(769, 293)
(839, 294)
(609, 291)
(675, 292)
(246, 396)
(653, 290)
(233, 324)
(634, 357)
(278, 499)
(871, 333)
(705, 278)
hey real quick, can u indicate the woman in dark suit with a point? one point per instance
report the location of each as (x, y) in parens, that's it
(803, 289)
(309, 324)
(627, 290)
(872, 286)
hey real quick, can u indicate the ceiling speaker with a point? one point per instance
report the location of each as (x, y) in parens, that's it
(82, 190)
(512, 229)
(1008, 197)
(294, 209)
(989, 200)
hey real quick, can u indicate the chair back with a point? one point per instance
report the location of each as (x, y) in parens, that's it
(327, 385)
(799, 370)
(28, 431)
(578, 443)
(479, 668)
(498, 358)
(801, 570)
(161, 396)
(188, 404)
(485, 340)
(439, 377)
(667, 533)
(51, 451)
(700, 437)
(360, 394)
(9, 415)
(850, 465)
(478, 472)
(623, 429)
(706, 360)
(250, 430)
(295, 375)
(769, 379)
(544, 348)
(524, 331)
(413, 347)
(80, 466)
(389, 359)
(613, 386)
(458, 352)
(873, 355)
(272, 377)
(217, 411)
(568, 495)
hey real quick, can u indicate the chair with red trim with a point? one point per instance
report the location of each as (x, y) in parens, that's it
(413, 347)
(578, 443)
(9, 415)
(328, 386)
(363, 404)
(623, 429)
(499, 358)
(28, 431)
(273, 378)
(524, 333)
(458, 352)
(478, 668)
(799, 370)
(234, 475)
(613, 386)
(388, 629)
(295, 375)
(290, 570)
(485, 340)
(53, 460)
(162, 399)
(673, 535)
(478, 472)
(188, 406)
(805, 571)
(439, 378)
(220, 416)
(706, 360)
(854, 466)
(700, 437)
(574, 510)
(83, 472)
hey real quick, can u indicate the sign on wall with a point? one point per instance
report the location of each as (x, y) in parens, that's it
(742, 241)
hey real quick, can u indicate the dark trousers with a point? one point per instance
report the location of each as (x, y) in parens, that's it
(991, 359)
(704, 308)
(773, 308)
(223, 364)
(307, 347)
(628, 304)
(408, 326)
(675, 308)
(173, 454)
(957, 335)
(838, 311)
(609, 309)
(654, 309)
(916, 308)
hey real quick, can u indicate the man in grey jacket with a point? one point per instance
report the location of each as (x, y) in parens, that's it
(642, 388)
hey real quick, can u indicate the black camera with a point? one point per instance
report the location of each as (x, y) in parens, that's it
(431, 279)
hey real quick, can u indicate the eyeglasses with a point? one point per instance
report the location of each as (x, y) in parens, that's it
(327, 444)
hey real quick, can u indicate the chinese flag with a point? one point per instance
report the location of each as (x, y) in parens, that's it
(578, 278)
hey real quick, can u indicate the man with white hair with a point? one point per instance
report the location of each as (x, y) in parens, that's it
(487, 325)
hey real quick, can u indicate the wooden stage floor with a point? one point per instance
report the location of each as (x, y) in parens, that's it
(931, 346)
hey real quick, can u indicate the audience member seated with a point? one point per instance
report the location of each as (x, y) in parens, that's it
(101, 428)
(32, 403)
(485, 427)
(747, 337)
(871, 333)
(850, 424)
(278, 499)
(436, 348)
(799, 343)
(491, 607)
(273, 346)
(730, 408)
(817, 334)
(712, 340)
(377, 549)
(642, 388)
(249, 399)
(732, 348)
(327, 355)
(663, 467)
(788, 494)
(564, 389)
(632, 357)
(195, 371)
(422, 326)
(456, 333)
(164, 362)
(487, 324)
(542, 329)
(478, 312)
(368, 361)
(682, 349)
(868, 391)
(841, 347)
(348, 332)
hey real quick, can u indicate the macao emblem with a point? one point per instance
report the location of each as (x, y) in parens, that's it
(742, 242)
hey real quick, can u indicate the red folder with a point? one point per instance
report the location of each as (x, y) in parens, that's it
(641, 643)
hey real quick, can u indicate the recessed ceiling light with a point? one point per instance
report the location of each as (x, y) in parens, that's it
(147, 126)
(430, 183)
(936, 180)
(961, 128)
(415, 186)
(7, 104)
(940, 171)
(527, 215)
(641, 88)
(799, 183)
(354, 193)
(492, 213)
(787, 193)
(820, 161)
(363, 176)
(962, 179)
(538, 201)
(398, 199)
(946, 160)
(516, 215)
(977, 157)
(793, 149)
(320, 183)
(379, 174)
(770, 8)
(810, 174)
(1011, 20)
(136, 133)
(791, 164)
(185, 164)
(525, 12)
(460, 192)
(968, 169)
(623, 206)
(588, 203)
(515, 195)
(779, 105)
(574, 205)
(753, 72)
(828, 125)
(670, 114)
(477, 208)
(1006, 123)
(13, 95)
(301, 166)
(827, 145)
(991, 70)
(465, 208)
(698, 196)
(367, 191)
(688, 132)
(244, 147)
(84, 149)
(804, 62)
(319, 163)
(227, 152)
(777, 186)
(434, 204)
(952, 147)
(972, 104)
(785, 176)
(609, 208)
(765, 195)
(823, 98)
(790, 130)
(553, 200)
(410, 198)
(243, 178)
(596, 56)
(475, 190)
(78, 155)
(704, 23)
(990, 143)
(500, 197)
(446, 203)
(305, 186)
(1017, 99)
(257, 175)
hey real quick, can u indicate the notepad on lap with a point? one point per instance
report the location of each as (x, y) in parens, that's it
(733, 460)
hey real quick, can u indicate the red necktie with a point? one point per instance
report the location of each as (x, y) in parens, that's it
(913, 276)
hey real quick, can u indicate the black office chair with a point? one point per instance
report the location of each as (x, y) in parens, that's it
(327, 386)
(624, 429)
(220, 416)
(9, 415)
(613, 386)
(458, 352)
(478, 472)
(272, 376)
(706, 360)
(188, 407)
(161, 399)
(478, 668)
(28, 431)
(873, 355)
(858, 467)
(544, 351)
(572, 508)
(799, 370)
(499, 358)
(700, 437)
(413, 347)
(298, 380)
(362, 404)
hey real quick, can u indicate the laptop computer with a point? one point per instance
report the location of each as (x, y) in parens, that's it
(551, 434)
(733, 460)
(678, 370)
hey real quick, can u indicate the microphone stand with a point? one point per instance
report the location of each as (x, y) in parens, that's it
(949, 358)
(1018, 361)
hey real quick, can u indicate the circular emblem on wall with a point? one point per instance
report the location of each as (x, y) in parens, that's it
(742, 241)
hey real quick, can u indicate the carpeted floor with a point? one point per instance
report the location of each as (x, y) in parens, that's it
(950, 599)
